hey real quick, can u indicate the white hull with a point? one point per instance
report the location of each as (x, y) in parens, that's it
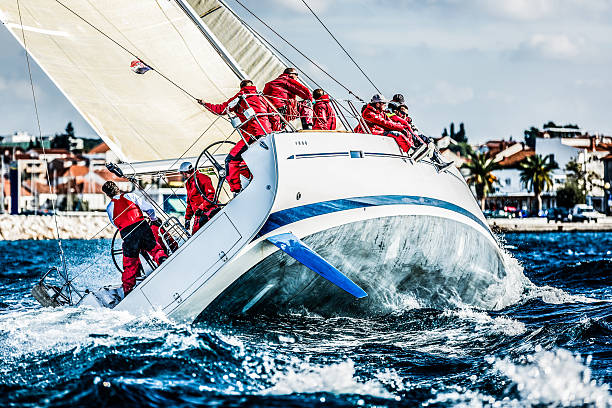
(400, 230)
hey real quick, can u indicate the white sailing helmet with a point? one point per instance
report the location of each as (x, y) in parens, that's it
(186, 167)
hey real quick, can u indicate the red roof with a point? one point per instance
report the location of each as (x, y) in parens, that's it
(516, 158)
(39, 150)
(101, 148)
(7, 189)
(76, 171)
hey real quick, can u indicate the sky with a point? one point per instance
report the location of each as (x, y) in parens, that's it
(498, 66)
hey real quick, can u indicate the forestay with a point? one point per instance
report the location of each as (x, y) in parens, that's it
(141, 117)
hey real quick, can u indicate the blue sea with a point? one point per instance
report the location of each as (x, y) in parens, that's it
(552, 348)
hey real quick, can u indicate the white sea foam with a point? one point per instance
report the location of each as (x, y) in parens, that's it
(556, 296)
(546, 378)
(556, 378)
(335, 378)
(484, 322)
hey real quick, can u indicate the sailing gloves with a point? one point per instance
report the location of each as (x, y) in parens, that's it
(199, 212)
(187, 224)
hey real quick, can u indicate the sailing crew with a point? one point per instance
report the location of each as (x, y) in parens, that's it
(324, 115)
(376, 119)
(251, 129)
(420, 142)
(126, 212)
(393, 113)
(395, 102)
(200, 206)
(283, 93)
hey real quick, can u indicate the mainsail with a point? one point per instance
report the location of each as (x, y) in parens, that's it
(87, 48)
(259, 62)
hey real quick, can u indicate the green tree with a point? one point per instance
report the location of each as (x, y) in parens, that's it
(69, 130)
(530, 136)
(570, 194)
(62, 141)
(584, 179)
(481, 175)
(536, 175)
(549, 125)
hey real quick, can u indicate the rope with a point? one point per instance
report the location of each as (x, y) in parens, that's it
(126, 50)
(293, 64)
(42, 144)
(297, 50)
(340, 45)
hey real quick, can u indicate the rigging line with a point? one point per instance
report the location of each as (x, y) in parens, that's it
(340, 45)
(125, 49)
(269, 44)
(196, 141)
(262, 38)
(297, 50)
(42, 144)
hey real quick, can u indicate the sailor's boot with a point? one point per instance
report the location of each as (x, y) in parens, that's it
(424, 150)
(130, 270)
(158, 254)
(441, 165)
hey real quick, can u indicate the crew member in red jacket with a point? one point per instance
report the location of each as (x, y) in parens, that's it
(396, 115)
(376, 119)
(420, 142)
(202, 208)
(283, 93)
(323, 113)
(125, 212)
(251, 129)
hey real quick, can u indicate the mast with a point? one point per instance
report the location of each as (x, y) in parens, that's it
(216, 44)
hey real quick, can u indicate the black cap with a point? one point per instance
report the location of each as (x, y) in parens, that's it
(398, 98)
(110, 189)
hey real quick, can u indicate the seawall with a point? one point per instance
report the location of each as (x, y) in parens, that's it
(541, 225)
(73, 226)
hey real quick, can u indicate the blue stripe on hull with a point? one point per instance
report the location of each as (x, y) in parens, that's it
(295, 214)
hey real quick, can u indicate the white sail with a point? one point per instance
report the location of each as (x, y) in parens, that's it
(141, 117)
(259, 62)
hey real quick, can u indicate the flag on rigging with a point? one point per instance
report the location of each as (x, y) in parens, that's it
(139, 67)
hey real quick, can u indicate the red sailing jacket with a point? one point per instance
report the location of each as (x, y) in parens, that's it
(125, 212)
(398, 119)
(284, 90)
(259, 105)
(324, 115)
(195, 200)
(377, 121)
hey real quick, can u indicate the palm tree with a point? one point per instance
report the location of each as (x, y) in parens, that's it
(481, 175)
(536, 175)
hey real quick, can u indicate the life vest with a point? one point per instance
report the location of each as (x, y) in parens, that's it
(125, 212)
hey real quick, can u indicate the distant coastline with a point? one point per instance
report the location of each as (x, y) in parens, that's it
(540, 225)
(74, 226)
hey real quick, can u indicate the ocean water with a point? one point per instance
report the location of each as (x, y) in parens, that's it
(552, 348)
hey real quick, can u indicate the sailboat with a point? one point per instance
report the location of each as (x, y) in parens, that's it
(332, 222)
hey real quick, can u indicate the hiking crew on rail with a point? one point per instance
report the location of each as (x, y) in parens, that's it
(252, 128)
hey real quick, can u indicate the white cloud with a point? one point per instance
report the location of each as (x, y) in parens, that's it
(529, 10)
(449, 94)
(297, 5)
(557, 46)
(590, 83)
(520, 9)
(498, 96)
(18, 89)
